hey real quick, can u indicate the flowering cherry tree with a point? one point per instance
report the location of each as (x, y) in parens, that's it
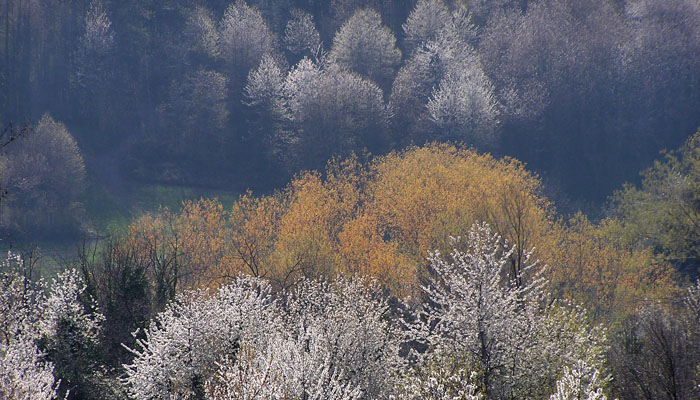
(439, 379)
(24, 374)
(346, 321)
(285, 369)
(498, 325)
(580, 382)
(44, 333)
(181, 348)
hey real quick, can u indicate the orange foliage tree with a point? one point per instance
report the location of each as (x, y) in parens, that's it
(382, 217)
(378, 218)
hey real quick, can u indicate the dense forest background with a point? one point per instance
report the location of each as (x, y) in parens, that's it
(243, 95)
(383, 199)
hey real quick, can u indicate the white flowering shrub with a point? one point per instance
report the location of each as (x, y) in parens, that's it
(69, 334)
(66, 320)
(580, 382)
(46, 333)
(497, 324)
(480, 333)
(24, 372)
(327, 340)
(285, 369)
(441, 378)
(21, 303)
(181, 348)
(345, 323)
(565, 338)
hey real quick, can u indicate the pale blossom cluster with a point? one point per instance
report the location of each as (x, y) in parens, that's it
(477, 333)
(442, 88)
(35, 325)
(579, 382)
(477, 312)
(324, 341)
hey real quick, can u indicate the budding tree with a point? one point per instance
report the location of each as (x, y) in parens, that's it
(45, 174)
(442, 92)
(367, 47)
(201, 32)
(94, 71)
(196, 106)
(301, 36)
(431, 20)
(330, 111)
(463, 105)
(244, 37)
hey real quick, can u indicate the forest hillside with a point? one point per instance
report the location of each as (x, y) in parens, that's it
(350, 199)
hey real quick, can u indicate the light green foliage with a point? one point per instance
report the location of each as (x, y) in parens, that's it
(665, 211)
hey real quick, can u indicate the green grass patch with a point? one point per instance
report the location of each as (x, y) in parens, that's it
(104, 213)
(150, 198)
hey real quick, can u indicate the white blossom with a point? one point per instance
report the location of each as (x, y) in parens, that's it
(345, 323)
(66, 315)
(24, 374)
(285, 369)
(497, 324)
(244, 37)
(181, 348)
(439, 379)
(580, 382)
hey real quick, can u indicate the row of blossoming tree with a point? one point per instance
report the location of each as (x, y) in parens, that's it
(474, 332)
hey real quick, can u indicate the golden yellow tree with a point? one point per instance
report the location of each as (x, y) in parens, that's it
(381, 218)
